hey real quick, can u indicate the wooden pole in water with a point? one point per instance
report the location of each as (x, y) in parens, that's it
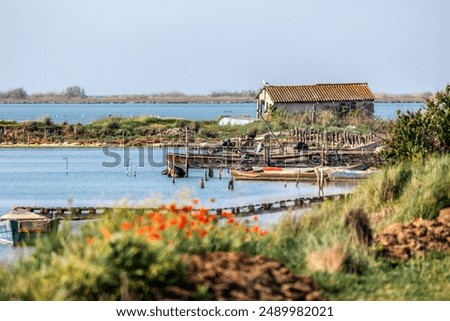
(173, 169)
(231, 184)
(186, 165)
(67, 164)
(323, 155)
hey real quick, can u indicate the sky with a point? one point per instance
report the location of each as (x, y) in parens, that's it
(200, 46)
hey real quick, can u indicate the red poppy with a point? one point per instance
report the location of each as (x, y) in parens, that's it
(186, 208)
(126, 226)
(183, 220)
(173, 208)
(153, 237)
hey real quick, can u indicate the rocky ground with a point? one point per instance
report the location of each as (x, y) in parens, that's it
(238, 276)
(403, 241)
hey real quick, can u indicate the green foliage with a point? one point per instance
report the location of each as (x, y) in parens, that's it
(419, 134)
(410, 189)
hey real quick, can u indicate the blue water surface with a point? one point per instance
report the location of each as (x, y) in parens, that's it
(85, 113)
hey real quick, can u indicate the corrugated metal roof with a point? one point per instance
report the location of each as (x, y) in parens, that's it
(319, 92)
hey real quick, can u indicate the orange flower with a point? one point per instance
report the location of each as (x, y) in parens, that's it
(231, 220)
(188, 234)
(226, 214)
(202, 233)
(172, 222)
(263, 233)
(183, 220)
(173, 208)
(255, 217)
(195, 201)
(186, 208)
(157, 217)
(153, 237)
(203, 211)
(162, 227)
(106, 233)
(163, 207)
(142, 230)
(246, 230)
(255, 229)
(212, 217)
(203, 219)
(126, 226)
(90, 240)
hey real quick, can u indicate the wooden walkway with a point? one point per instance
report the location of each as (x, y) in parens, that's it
(87, 213)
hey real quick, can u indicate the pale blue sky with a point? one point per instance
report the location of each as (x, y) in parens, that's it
(199, 46)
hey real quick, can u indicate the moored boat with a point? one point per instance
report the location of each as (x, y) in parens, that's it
(275, 174)
(300, 174)
(21, 226)
(349, 174)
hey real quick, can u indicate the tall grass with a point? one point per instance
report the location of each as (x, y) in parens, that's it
(409, 190)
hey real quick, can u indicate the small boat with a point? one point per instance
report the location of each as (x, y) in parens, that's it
(299, 174)
(20, 226)
(275, 174)
(175, 171)
(349, 174)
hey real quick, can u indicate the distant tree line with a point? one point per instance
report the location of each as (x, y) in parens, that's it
(71, 92)
(77, 94)
(16, 93)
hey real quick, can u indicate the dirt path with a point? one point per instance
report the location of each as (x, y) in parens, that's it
(238, 276)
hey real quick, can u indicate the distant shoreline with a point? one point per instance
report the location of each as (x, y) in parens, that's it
(187, 99)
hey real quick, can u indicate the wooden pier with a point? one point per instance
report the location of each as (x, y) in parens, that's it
(331, 148)
(88, 213)
(271, 157)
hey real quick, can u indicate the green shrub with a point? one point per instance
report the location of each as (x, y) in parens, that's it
(421, 133)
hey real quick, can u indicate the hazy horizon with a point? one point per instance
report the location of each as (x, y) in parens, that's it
(199, 47)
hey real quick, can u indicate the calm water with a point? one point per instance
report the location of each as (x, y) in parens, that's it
(85, 113)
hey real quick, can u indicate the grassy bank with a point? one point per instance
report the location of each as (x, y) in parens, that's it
(143, 130)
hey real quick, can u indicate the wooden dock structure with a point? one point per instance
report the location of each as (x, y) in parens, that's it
(271, 157)
(89, 213)
(331, 148)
